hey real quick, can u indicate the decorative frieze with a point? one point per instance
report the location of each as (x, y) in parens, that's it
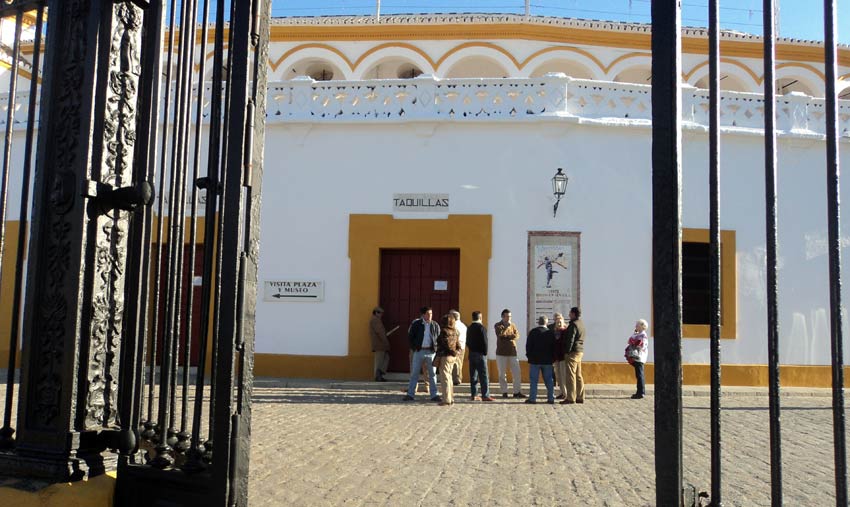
(303, 100)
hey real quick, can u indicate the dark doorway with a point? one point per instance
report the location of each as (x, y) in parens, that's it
(411, 279)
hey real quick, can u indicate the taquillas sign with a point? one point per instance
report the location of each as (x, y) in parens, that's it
(421, 202)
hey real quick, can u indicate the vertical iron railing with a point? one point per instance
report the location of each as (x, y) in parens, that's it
(667, 248)
(834, 248)
(771, 202)
(15, 13)
(666, 239)
(714, 241)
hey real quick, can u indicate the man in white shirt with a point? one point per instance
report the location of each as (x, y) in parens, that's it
(457, 369)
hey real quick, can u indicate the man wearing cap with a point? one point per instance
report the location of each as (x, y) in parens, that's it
(380, 344)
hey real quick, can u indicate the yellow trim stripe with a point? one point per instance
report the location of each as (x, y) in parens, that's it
(358, 367)
(565, 35)
(276, 64)
(730, 61)
(488, 45)
(394, 45)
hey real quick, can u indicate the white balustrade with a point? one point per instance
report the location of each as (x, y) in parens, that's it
(22, 107)
(426, 98)
(602, 100)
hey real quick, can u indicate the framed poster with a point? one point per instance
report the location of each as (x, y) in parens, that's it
(554, 265)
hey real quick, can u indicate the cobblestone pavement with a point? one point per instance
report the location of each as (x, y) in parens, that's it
(356, 445)
(326, 443)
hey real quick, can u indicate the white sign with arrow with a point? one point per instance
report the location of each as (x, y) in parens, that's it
(293, 290)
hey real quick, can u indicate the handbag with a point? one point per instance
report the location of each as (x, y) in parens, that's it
(634, 353)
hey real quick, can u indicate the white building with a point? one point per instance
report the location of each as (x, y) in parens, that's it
(472, 111)
(487, 126)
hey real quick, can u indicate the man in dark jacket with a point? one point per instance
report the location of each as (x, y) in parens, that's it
(540, 351)
(476, 346)
(574, 346)
(423, 335)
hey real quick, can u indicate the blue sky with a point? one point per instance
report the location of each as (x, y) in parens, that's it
(802, 19)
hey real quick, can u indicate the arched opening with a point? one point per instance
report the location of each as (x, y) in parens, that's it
(790, 84)
(637, 75)
(568, 67)
(393, 68)
(728, 83)
(316, 68)
(476, 66)
(408, 71)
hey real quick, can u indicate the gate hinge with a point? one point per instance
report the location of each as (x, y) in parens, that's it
(124, 198)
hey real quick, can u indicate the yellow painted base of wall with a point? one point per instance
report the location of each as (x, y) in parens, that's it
(94, 492)
(360, 368)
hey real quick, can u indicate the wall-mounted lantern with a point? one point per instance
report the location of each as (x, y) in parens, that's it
(559, 187)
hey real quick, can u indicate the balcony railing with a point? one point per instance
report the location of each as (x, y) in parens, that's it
(553, 96)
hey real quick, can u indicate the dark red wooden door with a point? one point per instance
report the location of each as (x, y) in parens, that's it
(411, 279)
(188, 281)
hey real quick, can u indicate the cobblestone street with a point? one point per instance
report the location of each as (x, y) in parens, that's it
(358, 444)
(328, 443)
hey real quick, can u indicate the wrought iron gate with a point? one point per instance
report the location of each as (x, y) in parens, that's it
(150, 122)
(667, 236)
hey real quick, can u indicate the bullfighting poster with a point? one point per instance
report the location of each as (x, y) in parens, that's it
(553, 273)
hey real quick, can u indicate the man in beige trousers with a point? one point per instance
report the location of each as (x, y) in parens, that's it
(506, 359)
(574, 346)
(380, 344)
(457, 369)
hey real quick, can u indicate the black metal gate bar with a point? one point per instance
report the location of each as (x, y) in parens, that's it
(714, 242)
(151, 427)
(180, 329)
(667, 248)
(211, 184)
(834, 232)
(771, 240)
(220, 236)
(164, 451)
(193, 231)
(7, 431)
(240, 234)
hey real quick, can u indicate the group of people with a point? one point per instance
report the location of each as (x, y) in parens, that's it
(555, 351)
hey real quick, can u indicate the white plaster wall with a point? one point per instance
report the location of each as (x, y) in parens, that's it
(803, 268)
(317, 175)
